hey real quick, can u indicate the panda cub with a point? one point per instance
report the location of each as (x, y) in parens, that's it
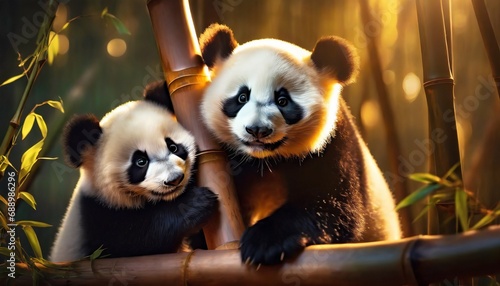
(134, 195)
(302, 171)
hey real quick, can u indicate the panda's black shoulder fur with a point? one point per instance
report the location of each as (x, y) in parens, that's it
(158, 93)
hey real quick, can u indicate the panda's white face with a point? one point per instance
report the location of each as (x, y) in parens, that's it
(268, 100)
(143, 154)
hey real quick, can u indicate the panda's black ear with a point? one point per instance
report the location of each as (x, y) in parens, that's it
(157, 92)
(217, 43)
(81, 133)
(337, 58)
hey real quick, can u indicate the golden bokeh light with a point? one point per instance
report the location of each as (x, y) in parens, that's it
(389, 77)
(117, 47)
(63, 44)
(61, 17)
(411, 86)
(370, 114)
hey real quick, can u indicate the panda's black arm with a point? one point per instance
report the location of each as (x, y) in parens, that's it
(195, 206)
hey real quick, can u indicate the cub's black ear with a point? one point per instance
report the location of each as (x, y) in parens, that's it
(157, 92)
(81, 133)
(217, 43)
(337, 58)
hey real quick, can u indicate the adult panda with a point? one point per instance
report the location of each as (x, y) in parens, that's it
(277, 109)
(134, 195)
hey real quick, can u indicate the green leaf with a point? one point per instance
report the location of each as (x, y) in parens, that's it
(53, 47)
(33, 223)
(5, 251)
(461, 210)
(12, 79)
(28, 159)
(28, 198)
(33, 240)
(96, 254)
(27, 125)
(56, 104)
(119, 26)
(417, 195)
(487, 219)
(425, 178)
(41, 125)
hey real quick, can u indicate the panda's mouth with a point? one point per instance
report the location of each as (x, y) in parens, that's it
(264, 146)
(169, 192)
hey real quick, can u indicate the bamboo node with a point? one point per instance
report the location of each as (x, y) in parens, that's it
(442, 80)
(210, 155)
(177, 80)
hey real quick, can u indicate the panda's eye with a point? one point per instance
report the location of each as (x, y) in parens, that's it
(141, 162)
(173, 148)
(243, 98)
(282, 101)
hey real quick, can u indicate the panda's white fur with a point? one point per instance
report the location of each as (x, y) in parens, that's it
(289, 63)
(318, 182)
(104, 153)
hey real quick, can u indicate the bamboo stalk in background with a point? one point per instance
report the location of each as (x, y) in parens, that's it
(416, 260)
(186, 76)
(438, 85)
(489, 39)
(393, 148)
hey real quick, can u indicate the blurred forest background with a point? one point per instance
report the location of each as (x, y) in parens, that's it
(97, 69)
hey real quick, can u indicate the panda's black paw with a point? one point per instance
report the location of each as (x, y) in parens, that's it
(198, 205)
(282, 235)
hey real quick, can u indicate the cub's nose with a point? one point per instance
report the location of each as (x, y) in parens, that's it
(259, 131)
(174, 182)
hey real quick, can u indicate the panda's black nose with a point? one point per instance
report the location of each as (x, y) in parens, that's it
(259, 131)
(174, 182)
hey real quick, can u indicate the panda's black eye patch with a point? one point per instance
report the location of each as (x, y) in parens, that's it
(177, 149)
(291, 111)
(139, 167)
(232, 105)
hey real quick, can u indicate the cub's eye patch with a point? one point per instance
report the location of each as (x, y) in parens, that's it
(177, 149)
(139, 167)
(232, 105)
(291, 111)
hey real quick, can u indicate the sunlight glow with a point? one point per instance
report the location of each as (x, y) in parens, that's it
(411, 86)
(117, 47)
(63, 44)
(61, 17)
(370, 114)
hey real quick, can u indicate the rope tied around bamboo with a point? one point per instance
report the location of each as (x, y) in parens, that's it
(177, 80)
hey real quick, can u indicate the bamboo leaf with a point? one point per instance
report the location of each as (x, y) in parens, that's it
(29, 158)
(451, 170)
(461, 210)
(48, 158)
(487, 219)
(3, 200)
(27, 125)
(53, 47)
(5, 251)
(4, 162)
(28, 198)
(3, 221)
(97, 253)
(417, 195)
(119, 26)
(425, 178)
(41, 124)
(33, 223)
(33, 240)
(12, 79)
(56, 104)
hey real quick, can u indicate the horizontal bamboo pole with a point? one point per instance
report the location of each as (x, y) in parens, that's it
(411, 261)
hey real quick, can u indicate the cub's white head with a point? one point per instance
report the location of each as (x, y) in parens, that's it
(270, 98)
(138, 152)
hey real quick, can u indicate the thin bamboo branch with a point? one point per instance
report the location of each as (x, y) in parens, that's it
(438, 84)
(393, 148)
(489, 39)
(411, 261)
(186, 77)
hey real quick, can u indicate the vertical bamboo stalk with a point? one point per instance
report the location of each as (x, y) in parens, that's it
(438, 85)
(393, 147)
(489, 39)
(186, 77)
